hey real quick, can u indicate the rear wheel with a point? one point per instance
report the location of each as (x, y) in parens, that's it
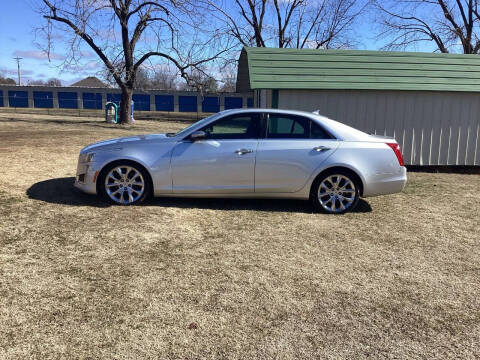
(335, 192)
(124, 183)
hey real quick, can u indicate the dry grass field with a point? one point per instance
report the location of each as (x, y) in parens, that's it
(226, 279)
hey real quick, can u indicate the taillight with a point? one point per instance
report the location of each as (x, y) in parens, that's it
(396, 149)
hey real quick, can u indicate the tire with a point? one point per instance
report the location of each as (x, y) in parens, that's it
(124, 183)
(335, 192)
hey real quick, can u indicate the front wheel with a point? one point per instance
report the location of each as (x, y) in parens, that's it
(335, 192)
(124, 183)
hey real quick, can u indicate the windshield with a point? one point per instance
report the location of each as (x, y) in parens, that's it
(188, 128)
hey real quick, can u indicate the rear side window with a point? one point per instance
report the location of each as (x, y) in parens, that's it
(317, 132)
(287, 127)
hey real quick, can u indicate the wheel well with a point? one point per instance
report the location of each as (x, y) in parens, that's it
(336, 168)
(124, 161)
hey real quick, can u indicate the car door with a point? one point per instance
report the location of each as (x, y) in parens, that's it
(292, 149)
(223, 163)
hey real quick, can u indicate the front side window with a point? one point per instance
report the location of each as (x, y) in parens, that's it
(242, 126)
(287, 127)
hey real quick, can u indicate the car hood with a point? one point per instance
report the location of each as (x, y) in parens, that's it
(120, 142)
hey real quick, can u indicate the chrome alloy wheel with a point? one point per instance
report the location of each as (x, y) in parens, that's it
(336, 193)
(124, 184)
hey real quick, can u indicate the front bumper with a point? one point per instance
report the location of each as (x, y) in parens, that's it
(86, 178)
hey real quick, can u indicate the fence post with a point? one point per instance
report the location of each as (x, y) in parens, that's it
(5, 98)
(152, 102)
(30, 98)
(80, 101)
(175, 102)
(55, 99)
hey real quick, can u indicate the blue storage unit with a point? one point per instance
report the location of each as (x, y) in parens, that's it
(115, 98)
(250, 102)
(92, 100)
(233, 103)
(1, 98)
(211, 104)
(43, 99)
(164, 103)
(18, 98)
(141, 102)
(187, 103)
(67, 100)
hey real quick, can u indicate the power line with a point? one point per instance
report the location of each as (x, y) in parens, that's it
(18, 69)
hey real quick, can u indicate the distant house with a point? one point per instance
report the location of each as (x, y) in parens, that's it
(90, 82)
(429, 102)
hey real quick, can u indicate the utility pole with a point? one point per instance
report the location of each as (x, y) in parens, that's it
(18, 67)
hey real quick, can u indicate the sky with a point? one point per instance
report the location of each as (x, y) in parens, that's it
(18, 20)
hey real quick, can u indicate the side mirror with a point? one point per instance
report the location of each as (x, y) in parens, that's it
(198, 135)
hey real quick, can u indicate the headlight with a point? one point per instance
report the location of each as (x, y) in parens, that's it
(86, 158)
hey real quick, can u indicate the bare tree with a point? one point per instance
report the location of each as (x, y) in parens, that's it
(7, 81)
(49, 82)
(163, 78)
(203, 82)
(126, 34)
(452, 25)
(290, 23)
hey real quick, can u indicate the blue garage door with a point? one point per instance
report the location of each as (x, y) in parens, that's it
(187, 103)
(18, 98)
(1, 98)
(164, 103)
(250, 102)
(211, 104)
(233, 103)
(114, 98)
(141, 102)
(92, 100)
(67, 100)
(43, 99)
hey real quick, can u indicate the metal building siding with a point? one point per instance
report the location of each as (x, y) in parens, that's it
(270, 68)
(17, 98)
(433, 128)
(1, 98)
(187, 103)
(141, 102)
(92, 100)
(115, 98)
(67, 100)
(211, 104)
(164, 103)
(43, 99)
(233, 102)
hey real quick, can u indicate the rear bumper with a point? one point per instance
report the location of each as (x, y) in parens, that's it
(383, 184)
(86, 178)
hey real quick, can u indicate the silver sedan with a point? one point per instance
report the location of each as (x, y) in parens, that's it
(247, 153)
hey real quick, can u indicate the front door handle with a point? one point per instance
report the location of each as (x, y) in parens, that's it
(243, 151)
(321, 148)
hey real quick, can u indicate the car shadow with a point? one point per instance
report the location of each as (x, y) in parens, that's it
(61, 191)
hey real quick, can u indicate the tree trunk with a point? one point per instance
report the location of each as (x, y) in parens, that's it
(125, 103)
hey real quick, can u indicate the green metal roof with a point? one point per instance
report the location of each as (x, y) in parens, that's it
(271, 68)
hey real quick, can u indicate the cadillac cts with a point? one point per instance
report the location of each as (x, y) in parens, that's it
(261, 153)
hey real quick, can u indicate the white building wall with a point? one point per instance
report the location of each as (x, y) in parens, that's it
(433, 128)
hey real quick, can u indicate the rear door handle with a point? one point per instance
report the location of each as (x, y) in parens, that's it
(321, 148)
(243, 151)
